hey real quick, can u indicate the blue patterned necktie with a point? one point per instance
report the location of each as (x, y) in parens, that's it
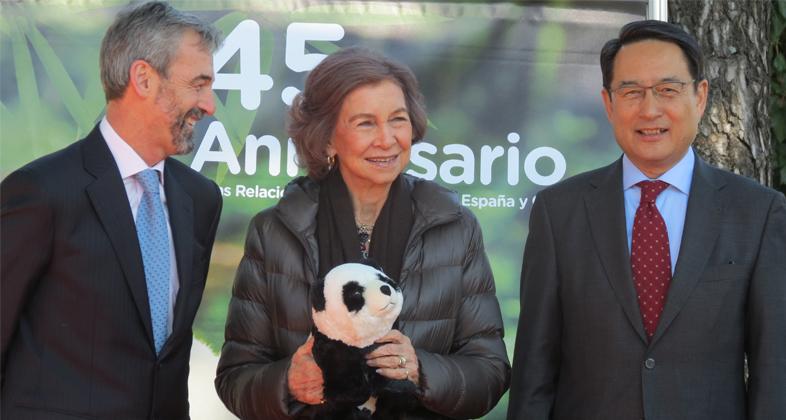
(151, 229)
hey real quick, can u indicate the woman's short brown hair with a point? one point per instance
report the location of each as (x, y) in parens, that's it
(314, 111)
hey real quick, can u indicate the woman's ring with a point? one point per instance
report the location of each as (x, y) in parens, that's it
(402, 361)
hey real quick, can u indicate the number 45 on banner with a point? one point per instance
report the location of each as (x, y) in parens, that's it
(244, 40)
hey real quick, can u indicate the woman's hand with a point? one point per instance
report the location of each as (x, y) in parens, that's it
(304, 376)
(396, 358)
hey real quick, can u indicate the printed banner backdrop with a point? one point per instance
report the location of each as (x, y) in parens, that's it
(512, 90)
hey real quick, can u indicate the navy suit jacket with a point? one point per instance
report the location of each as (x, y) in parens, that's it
(76, 331)
(581, 351)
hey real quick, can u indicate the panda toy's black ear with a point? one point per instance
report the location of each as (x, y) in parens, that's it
(371, 263)
(318, 294)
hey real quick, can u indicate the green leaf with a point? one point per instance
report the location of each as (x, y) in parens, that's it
(779, 63)
(80, 111)
(267, 45)
(778, 25)
(5, 22)
(25, 76)
(325, 47)
(237, 121)
(781, 7)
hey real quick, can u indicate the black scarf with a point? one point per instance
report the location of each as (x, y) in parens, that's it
(337, 234)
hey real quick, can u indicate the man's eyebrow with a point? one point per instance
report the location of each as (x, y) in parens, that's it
(202, 78)
(636, 83)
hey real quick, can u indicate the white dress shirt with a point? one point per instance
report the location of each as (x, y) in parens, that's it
(129, 163)
(672, 203)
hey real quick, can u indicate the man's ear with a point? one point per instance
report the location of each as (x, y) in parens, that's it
(604, 93)
(702, 93)
(143, 78)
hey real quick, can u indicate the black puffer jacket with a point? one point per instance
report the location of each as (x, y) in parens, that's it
(450, 314)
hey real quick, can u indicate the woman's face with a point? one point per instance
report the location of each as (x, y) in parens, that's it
(373, 136)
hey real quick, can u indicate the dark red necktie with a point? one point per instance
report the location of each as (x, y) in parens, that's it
(650, 258)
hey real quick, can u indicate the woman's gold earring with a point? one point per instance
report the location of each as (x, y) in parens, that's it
(331, 161)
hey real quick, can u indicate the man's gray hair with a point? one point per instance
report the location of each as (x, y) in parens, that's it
(150, 32)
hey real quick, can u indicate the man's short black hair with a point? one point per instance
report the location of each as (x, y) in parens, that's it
(652, 29)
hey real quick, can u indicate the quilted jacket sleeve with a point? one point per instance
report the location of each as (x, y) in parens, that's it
(468, 382)
(251, 377)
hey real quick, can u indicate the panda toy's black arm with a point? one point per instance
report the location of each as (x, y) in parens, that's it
(345, 372)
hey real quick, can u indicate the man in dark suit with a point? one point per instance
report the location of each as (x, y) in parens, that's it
(648, 282)
(106, 243)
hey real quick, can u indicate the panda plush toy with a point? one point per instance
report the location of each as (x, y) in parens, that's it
(354, 305)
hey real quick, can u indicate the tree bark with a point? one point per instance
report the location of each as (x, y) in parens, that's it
(735, 39)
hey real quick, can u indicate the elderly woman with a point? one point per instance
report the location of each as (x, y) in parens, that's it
(353, 126)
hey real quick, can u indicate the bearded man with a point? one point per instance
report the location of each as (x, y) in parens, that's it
(106, 243)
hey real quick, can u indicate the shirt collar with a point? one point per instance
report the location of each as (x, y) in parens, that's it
(679, 176)
(128, 160)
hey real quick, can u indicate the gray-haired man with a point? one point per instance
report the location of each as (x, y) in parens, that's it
(106, 243)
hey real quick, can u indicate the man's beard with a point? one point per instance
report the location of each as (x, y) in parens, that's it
(182, 132)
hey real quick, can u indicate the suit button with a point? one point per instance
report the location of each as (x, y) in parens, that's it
(649, 363)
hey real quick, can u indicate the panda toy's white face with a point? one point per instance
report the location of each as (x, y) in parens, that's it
(360, 304)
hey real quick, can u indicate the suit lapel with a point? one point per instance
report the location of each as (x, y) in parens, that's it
(108, 196)
(181, 218)
(702, 221)
(606, 213)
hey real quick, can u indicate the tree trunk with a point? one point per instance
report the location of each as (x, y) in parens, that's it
(735, 38)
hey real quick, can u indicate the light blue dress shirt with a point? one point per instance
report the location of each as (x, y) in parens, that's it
(671, 203)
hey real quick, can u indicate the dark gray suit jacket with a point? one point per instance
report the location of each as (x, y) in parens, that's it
(76, 331)
(581, 351)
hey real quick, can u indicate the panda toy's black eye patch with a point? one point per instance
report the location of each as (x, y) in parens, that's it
(353, 296)
(385, 279)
